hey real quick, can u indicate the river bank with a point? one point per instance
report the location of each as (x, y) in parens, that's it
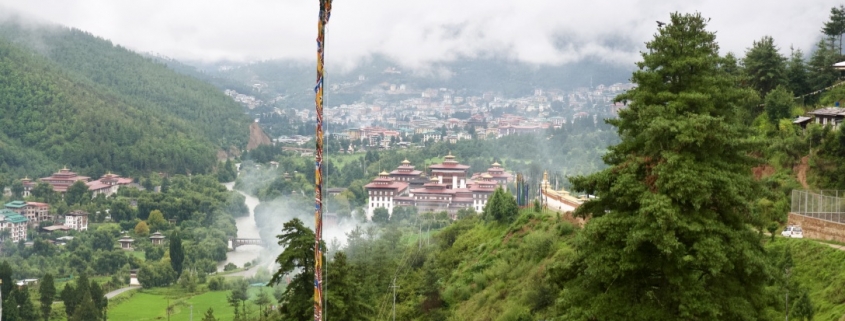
(246, 229)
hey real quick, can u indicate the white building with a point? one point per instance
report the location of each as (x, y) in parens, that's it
(77, 220)
(14, 223)
(381, 192)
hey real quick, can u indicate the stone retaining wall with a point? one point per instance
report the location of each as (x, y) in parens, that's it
(818, 229)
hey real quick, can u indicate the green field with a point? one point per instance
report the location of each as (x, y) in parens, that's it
(152, 305)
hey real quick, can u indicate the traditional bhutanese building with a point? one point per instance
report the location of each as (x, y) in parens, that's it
(381, 192)
(34, 212)
(450, 172)
(405, 172)
(481, 191)
(107, 184)
(28, 184)
(497, 173)
(63, 179)
(447, 189)
(14, 223)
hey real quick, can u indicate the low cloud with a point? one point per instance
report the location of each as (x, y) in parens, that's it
(418, 33)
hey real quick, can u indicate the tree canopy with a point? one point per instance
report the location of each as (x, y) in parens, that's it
(298, 255)
(668, 235)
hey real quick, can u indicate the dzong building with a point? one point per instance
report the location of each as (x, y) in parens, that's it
(447, 187)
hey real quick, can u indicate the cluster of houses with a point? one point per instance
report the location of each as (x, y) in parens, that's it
(18, 216)
(447, 187)
(390, 120)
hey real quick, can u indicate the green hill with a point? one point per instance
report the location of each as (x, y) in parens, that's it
(70, 98)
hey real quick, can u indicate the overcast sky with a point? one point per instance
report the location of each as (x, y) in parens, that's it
(422, 31)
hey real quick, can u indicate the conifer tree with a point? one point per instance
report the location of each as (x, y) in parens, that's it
(177, 253)
(765, 66)
(98, 296)
(298, 255)
(821, 69)
(69, 298)
(6, 279)
(86, 311)
(343, 297)
(47, 293)
(668, 236)
(796, 73)
(835, 27)
(209, 315)
(26, 310)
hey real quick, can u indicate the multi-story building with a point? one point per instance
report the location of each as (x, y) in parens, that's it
(14, 223)
(448, 188)
(34, 212)
(77, 220)
(496, 173)
(63, 179)
(381, 192)
(107, 184)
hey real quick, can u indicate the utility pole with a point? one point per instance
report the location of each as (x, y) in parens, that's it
(1, 301)
(394, 298)
(192, 312)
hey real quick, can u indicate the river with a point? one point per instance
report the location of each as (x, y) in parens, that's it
(246, 229)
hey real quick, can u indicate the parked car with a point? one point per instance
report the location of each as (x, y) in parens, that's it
(793, 231)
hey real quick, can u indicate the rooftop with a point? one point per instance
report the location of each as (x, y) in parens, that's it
(12, 217)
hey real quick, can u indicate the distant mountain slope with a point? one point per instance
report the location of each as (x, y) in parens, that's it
(473, 76)
(67, 97)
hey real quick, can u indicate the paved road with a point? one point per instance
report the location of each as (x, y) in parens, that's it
(119, 291)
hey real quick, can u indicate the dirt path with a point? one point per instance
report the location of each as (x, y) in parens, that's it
(835, 246)
(801, 171)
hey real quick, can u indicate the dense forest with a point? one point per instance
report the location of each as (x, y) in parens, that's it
(70, 98)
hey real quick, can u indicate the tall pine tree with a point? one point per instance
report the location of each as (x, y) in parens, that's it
(343, 298)
(298, 242)
(765, 66)
(668, 237)
(177, 253)
(47, 293)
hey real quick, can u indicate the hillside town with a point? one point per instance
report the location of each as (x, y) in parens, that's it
(393, 115)
(16, 217)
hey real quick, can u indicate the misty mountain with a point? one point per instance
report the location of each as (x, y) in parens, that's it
(70, 98)
(294, 80)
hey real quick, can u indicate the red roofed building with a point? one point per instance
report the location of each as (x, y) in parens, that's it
(447, 190)
(405, 172)
(107, 184)
(451, 172)
(63, 179)
(497, 173)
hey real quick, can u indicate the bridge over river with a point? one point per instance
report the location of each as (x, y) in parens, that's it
(235, 242)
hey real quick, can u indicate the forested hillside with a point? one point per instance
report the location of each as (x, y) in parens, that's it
(70, 98)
